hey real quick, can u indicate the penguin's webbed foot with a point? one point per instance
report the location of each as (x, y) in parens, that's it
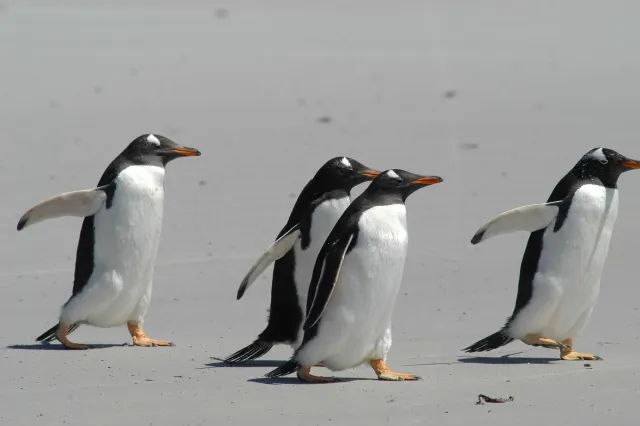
(534, 340)
(577, 356)
(77, 346)
(147, 342)
(383, 372)
(141, 339)
(304, 374)
(61, 335)
(568, 354)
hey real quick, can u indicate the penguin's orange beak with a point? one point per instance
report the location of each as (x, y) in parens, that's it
(371, 174)
(186, 152)
(427, 180)
(631, 164)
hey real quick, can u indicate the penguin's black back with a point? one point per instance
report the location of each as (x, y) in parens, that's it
(564, 190)
(285, 315)
(85, 251)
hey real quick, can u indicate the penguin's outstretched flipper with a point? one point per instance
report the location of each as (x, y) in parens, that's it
(278, 249)
(77, 203)
(526, 218)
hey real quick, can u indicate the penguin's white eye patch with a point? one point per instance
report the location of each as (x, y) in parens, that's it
(152, 139)
(392, 174)
(346, 163)
(598, 154)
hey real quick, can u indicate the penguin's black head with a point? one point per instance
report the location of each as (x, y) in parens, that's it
(401, 182)
(155, 149)
(343, 173)
(606, 165)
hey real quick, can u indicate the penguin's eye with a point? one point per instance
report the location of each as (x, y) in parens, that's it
(604, 161)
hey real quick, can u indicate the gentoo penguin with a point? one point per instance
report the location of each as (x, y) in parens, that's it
(118, 241)
(319, 206)
(564, 258)
(355, 281)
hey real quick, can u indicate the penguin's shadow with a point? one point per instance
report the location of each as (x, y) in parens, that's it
(271, 364)
(59, 347)
(255, 363)
(295, 381)
(505, 360)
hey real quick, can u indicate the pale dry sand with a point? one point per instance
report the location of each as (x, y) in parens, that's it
(498, 99)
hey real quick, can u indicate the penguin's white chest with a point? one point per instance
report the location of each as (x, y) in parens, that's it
(354, 327)
(567, 284)
(127, 236)
(323, 219)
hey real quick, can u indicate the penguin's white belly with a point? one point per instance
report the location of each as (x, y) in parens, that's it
(323, 220)
(127, 236)
(567, 284)
(358, 315)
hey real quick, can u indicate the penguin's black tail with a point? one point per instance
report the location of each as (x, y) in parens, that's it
(285, 369)
(255, 350)
(50, 334)
(494, 341)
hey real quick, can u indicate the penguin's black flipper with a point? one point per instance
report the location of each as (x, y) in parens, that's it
(50, 334)
(255, 350)
(494, 341)
(285, 369)
(325, 275)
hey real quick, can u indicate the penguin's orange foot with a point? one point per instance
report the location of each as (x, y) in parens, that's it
(61, 335)
(383, 372)
(147, 342)
(534, 340)
(577, 356)
(304, 374)
(568, 354)
(141, 339)
(70, 345)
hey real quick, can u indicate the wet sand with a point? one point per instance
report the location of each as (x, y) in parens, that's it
(500, 100)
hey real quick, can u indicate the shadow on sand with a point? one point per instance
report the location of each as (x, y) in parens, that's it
(505, 360)
(290, 380)
(295, 381)
(255, 363)
(59, 347)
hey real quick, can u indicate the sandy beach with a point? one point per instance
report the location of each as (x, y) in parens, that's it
(500, 99)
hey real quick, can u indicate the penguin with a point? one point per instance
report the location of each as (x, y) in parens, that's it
(355, 281)
(319, 206)
(118, 240)
(565, 255)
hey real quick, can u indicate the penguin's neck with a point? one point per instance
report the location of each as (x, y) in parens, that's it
(608, 180)
(382, 198)
(311, 192)
(577, 177)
